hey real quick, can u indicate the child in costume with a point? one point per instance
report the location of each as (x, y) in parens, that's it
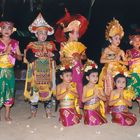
(40, 57)
(113, 57)
(9, 52)
(120, 100)
(69, 29)
(68, 96)
(134, 63)
(93, 97)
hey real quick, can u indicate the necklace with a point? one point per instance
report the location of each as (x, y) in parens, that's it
(115, 50)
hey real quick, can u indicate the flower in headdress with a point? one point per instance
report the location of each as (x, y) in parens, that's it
(2, 23)
(40, 23)
(91, 65)
(125, 73)
(65, 67)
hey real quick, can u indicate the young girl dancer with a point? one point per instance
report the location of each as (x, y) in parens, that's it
(134, 61)
(9, 52)
(113, 57)
(120, 100)
(68, 96)
(93, 97)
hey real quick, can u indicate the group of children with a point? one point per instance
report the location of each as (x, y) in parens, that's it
(83, 91)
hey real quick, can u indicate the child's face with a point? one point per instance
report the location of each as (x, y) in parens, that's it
(136, 42)
(67, 77)
(76, 57)
(93, 77)
(121, 83)
(6, 30)
(41, 35)
(116, 40)
(83, 56)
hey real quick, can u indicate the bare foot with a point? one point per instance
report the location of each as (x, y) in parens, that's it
(33, 115)
(8, 119)
(48, 115)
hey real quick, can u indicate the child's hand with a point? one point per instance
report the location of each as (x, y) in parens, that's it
(14, 55)
(68, 89)
(38, 54)
(121, 96)
(96, 91)
(8, 50)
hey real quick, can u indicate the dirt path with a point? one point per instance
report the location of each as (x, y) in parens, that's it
(41, 128)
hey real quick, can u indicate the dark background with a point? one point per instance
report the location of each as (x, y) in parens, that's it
(22, 14)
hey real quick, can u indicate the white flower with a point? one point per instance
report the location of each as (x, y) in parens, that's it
(126, 74)
(62, 68)
(96, 66)
(70, 67)
(14, 29)
(88, 68)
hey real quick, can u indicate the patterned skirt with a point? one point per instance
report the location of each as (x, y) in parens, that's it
(7, 86)
(121, 117)
(93, 117)
(134, 82)
(69, 116)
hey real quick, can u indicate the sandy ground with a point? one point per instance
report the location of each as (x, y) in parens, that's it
(42, 128)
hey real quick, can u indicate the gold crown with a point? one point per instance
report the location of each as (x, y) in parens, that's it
(114, 28)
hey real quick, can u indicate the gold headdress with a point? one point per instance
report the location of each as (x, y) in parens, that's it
(114, 28)
(38, 23)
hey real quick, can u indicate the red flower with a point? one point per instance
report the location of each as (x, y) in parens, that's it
(121, 72)
(93, 65)
(67, 67)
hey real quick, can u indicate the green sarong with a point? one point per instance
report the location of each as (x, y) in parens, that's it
(7, 86)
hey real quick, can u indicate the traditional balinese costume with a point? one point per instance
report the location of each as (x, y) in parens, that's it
(7, 78)
(106, 78)
(94, 110)
(120, 113)
(69, 108)
(68, 49)
(134, 66)
(40, 79)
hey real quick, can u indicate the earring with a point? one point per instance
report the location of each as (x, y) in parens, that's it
(131, 42)
(110, 40)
